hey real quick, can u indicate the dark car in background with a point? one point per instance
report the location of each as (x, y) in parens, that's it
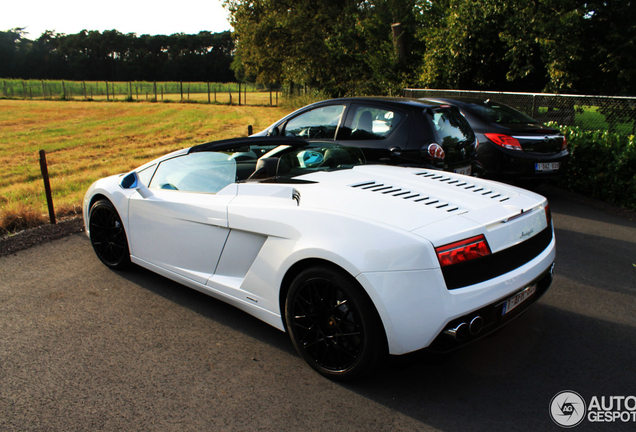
(398, 131)
(512, 145)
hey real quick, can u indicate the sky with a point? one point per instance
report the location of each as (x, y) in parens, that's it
(125, 16)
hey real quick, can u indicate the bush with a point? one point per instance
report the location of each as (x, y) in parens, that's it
(602, 165)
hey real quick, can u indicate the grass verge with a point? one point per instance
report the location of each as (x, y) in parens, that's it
(87, 141)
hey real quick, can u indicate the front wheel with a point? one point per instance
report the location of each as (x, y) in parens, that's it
(108, 236)
(333, 324)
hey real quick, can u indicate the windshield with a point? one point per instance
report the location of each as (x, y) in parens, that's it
(502, 114)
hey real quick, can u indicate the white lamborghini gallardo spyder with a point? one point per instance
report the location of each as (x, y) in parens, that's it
(354, 260)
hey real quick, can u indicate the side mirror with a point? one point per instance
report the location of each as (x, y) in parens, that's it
(131, 181)
(274, 132)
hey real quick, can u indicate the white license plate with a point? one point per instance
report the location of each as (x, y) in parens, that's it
(467, 170)
(518, 298)
(547, 166)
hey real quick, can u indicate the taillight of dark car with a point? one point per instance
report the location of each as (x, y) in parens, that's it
(505, 141)
(564, 144)
(462, 251)
(436, 151)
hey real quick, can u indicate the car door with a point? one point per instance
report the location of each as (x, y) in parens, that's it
(180, 224)
(378, 128)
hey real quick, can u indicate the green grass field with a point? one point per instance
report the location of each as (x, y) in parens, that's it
(85, 141)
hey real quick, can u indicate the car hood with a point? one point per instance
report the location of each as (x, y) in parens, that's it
(437, 205)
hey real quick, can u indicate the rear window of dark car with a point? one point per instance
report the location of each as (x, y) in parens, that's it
(501, 114)
(449, 126)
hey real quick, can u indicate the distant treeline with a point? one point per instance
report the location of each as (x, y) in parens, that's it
(114, 56)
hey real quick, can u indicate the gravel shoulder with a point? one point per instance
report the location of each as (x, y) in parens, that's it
(10, 244)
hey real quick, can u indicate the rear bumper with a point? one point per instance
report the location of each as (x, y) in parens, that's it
(514, 164)
(491, 318)
(416, 307)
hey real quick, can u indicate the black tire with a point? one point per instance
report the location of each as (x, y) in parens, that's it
(333, 324)
(108, 236)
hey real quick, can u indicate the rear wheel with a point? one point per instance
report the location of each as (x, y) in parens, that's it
(108, 236)
(333, 324)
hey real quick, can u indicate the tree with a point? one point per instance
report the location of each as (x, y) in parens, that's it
(608, 65)
(462, 43)
(13, 45)
(111, 55)
(341, 47)
(543, 38)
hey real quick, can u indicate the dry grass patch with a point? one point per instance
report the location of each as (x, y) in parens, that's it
(85, 141)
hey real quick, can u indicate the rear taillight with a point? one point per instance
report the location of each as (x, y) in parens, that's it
(463, 250)
(548, 214)
(564, 144)
(505, 141)
(436, 151)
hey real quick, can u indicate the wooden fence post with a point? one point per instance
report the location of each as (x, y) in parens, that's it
(47, 186)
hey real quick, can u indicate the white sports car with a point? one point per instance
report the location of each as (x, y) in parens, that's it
(354, 261)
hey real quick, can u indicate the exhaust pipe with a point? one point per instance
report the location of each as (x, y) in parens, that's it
(459, 333)
(476, 324)
(462, 331)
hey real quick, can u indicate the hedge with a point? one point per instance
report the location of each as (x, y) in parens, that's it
(602, 165)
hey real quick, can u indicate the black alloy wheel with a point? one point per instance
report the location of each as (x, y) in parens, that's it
(108, 236)
(333, 324)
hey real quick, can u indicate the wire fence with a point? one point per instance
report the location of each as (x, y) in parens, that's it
(612, 113)
(203, 92)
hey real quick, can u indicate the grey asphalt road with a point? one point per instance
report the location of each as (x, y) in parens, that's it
(83, 348)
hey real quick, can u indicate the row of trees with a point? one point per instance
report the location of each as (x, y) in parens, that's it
(350, 46)
(113, 56)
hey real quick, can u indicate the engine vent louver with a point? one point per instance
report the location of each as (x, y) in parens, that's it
(461, 183)
(409, 195)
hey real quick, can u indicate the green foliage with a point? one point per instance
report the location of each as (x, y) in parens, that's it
(113, 56)
(294, 102)
(463, 49)
(602, 165)
(503, 44)
(348, 47)
(343, 48)
(529, 45)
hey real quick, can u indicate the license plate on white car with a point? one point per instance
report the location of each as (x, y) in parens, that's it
(547, 166)
(467, 170)
(518, 298)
